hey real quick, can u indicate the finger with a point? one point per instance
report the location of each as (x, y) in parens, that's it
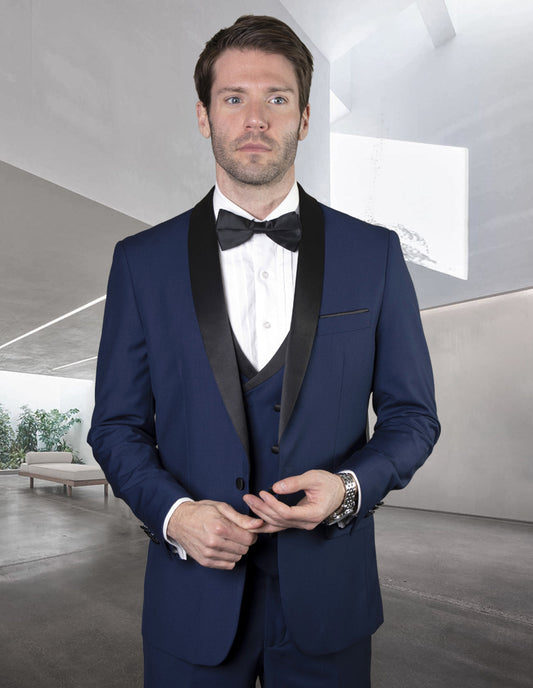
(268, 528)
(272, 518)
(266, 510)
(292, 484)
(216, 563)
(281, 511)
(221, 565)
(225, 535)
(211, 545)
(226, 548)
(268, 501)
(218, 551)
(257, 506)
(303, 515)
(275, 505)
(306, 511)
(240, 520)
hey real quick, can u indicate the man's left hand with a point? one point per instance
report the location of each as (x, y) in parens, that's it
(324, 493)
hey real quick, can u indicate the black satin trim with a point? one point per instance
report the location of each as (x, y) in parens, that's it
(246, 369)
(209, 302)
(210, 306)
(306, 308)
(254, 378)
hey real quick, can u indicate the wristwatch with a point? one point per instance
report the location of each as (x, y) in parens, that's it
(351, 499)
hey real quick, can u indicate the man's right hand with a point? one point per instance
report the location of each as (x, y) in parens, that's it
(213, 533)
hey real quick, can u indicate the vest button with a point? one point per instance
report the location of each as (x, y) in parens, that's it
(277, 408)
(240, 483)
(275, 449)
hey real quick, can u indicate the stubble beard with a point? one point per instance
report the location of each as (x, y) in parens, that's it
(251, 172)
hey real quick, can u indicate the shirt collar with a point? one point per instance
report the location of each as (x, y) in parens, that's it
(289, 204)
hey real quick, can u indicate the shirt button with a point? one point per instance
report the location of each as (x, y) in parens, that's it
(240, 483)
(277, 408)
(264, 274)
(275, 449)
(267, 325)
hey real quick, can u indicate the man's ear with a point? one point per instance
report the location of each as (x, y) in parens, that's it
(304, 123)
(203, 120)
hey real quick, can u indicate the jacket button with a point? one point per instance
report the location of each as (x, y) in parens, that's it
(240, 483)
(151, 535)
(275, 449)
(277, 408)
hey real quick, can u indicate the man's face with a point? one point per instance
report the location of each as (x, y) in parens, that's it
(254, 119)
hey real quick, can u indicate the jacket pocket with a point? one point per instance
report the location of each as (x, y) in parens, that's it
(344, 321)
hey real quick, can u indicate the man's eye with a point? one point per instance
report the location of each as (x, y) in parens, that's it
(232, 100)
(278, 100)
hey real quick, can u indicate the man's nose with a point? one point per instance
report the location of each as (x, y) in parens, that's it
(256, 118)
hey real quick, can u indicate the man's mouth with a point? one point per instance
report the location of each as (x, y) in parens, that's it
(253, 148)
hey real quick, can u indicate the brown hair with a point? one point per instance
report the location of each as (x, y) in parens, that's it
(253, 32)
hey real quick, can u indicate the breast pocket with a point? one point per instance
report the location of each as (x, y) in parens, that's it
(343, 321)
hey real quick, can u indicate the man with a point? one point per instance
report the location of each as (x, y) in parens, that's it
(235, 370)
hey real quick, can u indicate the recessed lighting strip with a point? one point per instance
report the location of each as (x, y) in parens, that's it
(83, 360)
(53, 322)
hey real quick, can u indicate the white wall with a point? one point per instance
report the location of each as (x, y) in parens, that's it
(482, 357)
(475, 92)
(47, 392)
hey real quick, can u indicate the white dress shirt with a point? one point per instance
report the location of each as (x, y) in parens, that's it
(258, 279)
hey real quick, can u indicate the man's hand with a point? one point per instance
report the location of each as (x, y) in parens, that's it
(324, 493)
(213, 533)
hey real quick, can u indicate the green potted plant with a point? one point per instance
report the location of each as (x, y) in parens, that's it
(7, 439)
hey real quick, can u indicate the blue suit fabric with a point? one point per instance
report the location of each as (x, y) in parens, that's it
(262, 648)
(170, 420)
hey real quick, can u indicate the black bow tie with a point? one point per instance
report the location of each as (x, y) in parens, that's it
(233, 230)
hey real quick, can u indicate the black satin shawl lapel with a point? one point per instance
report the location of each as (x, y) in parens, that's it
(210, 306)
(306, 308)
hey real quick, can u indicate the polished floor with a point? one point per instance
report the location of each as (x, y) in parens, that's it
(458, 595)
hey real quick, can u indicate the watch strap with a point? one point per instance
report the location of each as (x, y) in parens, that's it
(350, 502)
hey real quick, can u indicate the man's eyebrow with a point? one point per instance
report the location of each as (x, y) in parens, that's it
(241, 89)
(281, 89)
(233, 89)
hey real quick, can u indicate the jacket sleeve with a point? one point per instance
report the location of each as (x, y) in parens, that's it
(123, 434)
(403, 395)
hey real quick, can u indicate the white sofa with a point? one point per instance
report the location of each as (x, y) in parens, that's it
(58, 467)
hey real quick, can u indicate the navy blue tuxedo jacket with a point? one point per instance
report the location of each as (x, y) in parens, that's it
(169, 419)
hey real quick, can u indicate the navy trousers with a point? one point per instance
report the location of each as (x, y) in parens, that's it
(262, 648)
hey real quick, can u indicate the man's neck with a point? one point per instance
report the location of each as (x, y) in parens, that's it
(258, 200)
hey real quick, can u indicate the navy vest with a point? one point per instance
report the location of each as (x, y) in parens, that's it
(262, 399)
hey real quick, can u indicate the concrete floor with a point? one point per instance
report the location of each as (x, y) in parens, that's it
(457, 593)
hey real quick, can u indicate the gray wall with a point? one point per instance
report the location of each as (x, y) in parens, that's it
(482, 357)
(98, 97)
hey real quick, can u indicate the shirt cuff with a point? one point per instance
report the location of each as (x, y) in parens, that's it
(175, 546)
(345, 521)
